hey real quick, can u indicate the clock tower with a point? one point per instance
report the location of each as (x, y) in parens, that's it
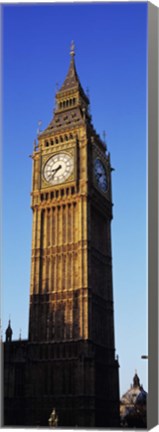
(70, 363)
(71, 294)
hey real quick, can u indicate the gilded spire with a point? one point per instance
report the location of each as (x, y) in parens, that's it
(72, 80)
(70, 96)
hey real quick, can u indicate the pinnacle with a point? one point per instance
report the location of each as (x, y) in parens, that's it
(71, 79)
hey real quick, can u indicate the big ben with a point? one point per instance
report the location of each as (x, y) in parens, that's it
(70, 362)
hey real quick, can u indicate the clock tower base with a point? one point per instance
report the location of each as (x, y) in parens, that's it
(71, 377)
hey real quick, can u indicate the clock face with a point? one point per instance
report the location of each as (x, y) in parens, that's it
(58, 168)
(100, 175)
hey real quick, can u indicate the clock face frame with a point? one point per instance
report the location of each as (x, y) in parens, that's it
(58, 168)
(100, 175)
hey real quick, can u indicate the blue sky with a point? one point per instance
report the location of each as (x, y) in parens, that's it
(111, 60)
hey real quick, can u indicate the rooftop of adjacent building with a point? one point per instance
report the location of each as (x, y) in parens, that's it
(135, 394)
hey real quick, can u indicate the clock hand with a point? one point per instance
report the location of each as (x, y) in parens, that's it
(55, 170)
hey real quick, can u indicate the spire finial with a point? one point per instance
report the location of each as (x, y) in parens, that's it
(136, 380)
(72, 50)
(9, 332)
